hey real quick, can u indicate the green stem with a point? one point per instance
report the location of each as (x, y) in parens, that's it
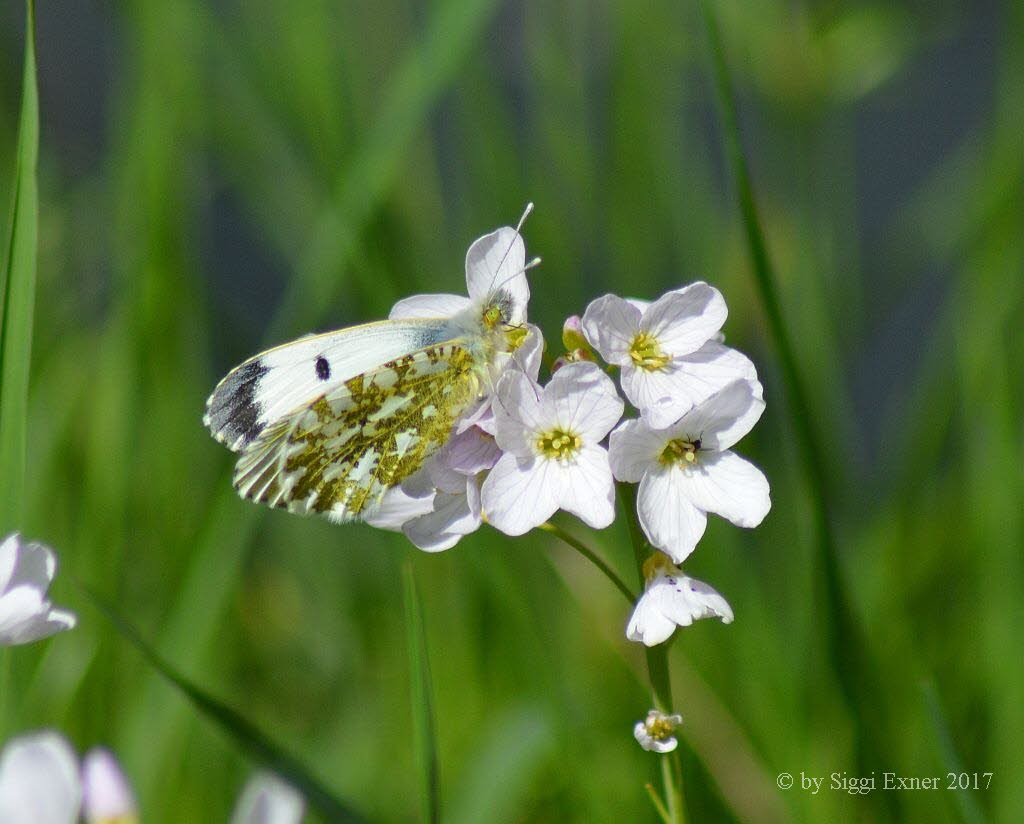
(591, 556)
(657, 664)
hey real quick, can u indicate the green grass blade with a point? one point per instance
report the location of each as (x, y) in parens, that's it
(17, 296)
(422, 701)
(844, 636)
(951, 762)
(246, 734)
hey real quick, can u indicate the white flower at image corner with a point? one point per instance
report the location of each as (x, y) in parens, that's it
(267, 799)
(107, 797)
(26, 570)
(552, 458)
(670, 351)
(688, 470)
(39, 781)
(672, 599)
(656, 733)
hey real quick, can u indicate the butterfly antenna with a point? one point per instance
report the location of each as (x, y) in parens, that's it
(519, 225)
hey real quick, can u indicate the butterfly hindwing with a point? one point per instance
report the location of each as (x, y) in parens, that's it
(274, 383)
(338, 454)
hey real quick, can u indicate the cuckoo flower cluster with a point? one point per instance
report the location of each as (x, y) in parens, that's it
(527, 450)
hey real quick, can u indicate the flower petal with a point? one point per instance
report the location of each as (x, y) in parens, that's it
(470, 452)
(725, 417)
(520, 494)
(648, 623)
(684, 600)
(267, 799)
(454, 515)
(428, 306)
(690, 380)
(670, 521)
(610, 324)
(497, 261)
(39, 781)
(727, 485)
(106, 795)
(633, 449)
(517, 414)
(582, 399)
(684, 320)
(588, 491)
(398, 506)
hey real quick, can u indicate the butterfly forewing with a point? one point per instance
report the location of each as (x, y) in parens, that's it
(338, 454)
(274, 383)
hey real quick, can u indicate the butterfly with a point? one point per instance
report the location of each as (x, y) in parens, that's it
(328, 423)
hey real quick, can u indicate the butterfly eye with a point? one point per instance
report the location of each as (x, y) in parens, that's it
(492, 316)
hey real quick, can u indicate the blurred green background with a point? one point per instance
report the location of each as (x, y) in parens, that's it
(215, 177)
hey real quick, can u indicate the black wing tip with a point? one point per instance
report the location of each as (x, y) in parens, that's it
(233, 411)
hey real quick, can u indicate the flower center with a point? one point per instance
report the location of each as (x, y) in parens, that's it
(646, 353)
(558, 445)
(660, 727)
(680, 451)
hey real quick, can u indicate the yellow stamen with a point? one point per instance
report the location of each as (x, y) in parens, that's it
(680, 451)
(559, 445)
(646, 353)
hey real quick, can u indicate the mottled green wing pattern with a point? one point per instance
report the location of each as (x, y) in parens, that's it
(338, 455)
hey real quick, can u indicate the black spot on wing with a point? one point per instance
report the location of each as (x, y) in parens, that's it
(233, 412)
(323, 368)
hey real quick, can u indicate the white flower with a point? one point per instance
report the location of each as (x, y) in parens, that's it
(39, 781)
(552, 457)
(668, 350)
(687, 470)
(26, 570)
(267, 799)
(672, 599)
(656, 732)
(107, 797)
(495, 260)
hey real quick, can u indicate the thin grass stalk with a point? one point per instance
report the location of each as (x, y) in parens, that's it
(17, 293)
(424, 727)
(847, 652)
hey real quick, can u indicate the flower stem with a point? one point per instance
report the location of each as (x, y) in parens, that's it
(657, 665)
(591, 556)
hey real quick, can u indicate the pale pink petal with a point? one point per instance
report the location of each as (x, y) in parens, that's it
(582, 399)
(428, 306)
(727, 485)
(520, 494)
(683, 321)
(398, 506)
(470, 452)
(496, 262)
(107, 796)
(610, 324)
(454, 515)
(633, 449)
(670, 521)
(725, 417)
(588, 491)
